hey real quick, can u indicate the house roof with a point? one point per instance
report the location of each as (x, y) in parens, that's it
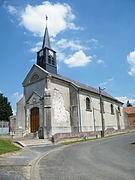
(129, 110)
(80, 85)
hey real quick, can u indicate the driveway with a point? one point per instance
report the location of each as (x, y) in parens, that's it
(104, 159)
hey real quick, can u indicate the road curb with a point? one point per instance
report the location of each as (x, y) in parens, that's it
(34, 174)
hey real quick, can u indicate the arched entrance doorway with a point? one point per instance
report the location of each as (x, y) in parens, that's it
(34, 124)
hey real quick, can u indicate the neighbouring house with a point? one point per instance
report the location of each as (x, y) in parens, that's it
(131, 116)
(4, 127)
(53, 104)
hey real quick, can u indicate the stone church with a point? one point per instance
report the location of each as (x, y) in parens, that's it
(53, 104)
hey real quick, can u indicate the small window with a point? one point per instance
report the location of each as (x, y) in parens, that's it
(119, 110)
(88, 106)
(112, 109)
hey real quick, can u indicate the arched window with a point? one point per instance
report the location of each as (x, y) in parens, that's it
(119, 110)
(88, 106)
(112, 109)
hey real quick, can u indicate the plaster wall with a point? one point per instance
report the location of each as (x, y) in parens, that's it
(60, 107)
(20, 114)
(38, 87)
(91, 119)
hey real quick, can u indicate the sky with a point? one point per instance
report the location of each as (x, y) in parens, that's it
(94, 41)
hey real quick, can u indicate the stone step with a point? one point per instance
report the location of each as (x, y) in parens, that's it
(34, 142)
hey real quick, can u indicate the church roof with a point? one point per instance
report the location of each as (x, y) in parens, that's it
(80, 85)
(46, 40)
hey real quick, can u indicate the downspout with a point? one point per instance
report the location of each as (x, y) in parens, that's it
(79, 111)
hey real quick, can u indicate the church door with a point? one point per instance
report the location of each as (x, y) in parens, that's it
(34, 119)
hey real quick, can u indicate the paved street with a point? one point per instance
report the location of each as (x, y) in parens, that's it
(107, 159)
(18, 166)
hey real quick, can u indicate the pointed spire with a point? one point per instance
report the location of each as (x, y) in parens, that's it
(46, 40)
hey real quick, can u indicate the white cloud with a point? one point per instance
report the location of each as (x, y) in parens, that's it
(131, 61)
(61, 56)
(94, 43)
(78, 59)
(106, 81)
(73, 45)
(37, 47)
(16, 96)
(124, 99)
(60, 18)
(100, 61)
(11, 9)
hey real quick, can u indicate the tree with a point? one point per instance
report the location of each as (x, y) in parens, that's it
(129, 104)
(5, 108)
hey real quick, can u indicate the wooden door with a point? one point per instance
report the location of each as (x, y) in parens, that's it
(34, 119)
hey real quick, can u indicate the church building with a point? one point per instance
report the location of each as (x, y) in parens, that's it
(53, 104)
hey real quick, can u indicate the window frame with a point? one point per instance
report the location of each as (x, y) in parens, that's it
(88, 104)
(112, 109)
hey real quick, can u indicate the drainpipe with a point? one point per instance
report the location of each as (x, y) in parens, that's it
(79, 111)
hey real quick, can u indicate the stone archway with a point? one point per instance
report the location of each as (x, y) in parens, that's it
(34, 120)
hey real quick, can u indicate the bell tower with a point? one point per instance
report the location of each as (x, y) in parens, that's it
(46, 57)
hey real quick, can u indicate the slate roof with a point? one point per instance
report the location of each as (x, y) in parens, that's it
(46, 40)
(85, 87)
(75, 83)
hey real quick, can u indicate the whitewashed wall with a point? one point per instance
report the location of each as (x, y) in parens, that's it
(60, 107)
(91, 120)
(20, 114)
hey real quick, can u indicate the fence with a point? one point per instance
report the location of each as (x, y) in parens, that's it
(4, 127)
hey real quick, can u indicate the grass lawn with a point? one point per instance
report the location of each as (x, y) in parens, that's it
(7, 146)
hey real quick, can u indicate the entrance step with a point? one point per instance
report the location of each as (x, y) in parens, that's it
(34, 142)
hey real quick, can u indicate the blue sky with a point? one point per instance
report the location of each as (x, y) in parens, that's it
(94, 41)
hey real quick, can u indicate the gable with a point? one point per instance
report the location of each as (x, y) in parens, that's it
(35, 74)
(34, 98)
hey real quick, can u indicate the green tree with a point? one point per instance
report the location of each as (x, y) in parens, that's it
(5, 108)
(129, 104)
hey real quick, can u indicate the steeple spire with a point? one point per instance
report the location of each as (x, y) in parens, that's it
(46, 40)
(46, 57)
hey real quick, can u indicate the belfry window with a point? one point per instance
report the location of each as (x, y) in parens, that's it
(112, 109)
(88, 104)
(53, 61)
(49, 59)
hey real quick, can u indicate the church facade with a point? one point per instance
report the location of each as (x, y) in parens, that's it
(54, 104)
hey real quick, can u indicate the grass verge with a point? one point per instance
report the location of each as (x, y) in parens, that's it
(77, 141)
(7, 146)
(107, 136)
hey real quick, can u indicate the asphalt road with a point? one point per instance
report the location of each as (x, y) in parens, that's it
(106, 159)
